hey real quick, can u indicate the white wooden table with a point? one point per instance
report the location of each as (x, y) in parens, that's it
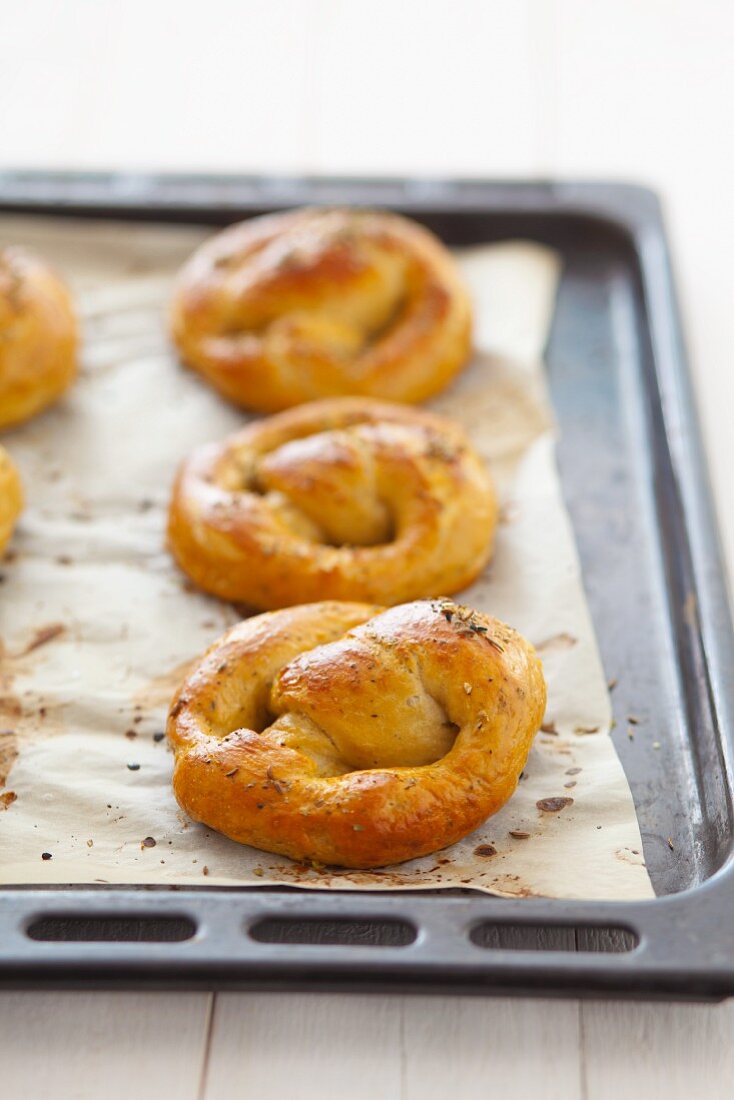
(634, 89)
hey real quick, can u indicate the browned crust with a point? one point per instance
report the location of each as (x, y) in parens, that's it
(318, 302)
(267, 727)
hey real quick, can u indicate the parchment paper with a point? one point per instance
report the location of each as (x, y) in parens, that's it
(98, 625)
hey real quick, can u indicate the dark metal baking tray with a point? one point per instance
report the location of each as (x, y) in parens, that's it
(635, 481)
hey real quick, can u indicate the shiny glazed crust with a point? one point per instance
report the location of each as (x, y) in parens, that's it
(346, 498)
(338, 734)
(38, 337)
(11, 497)
(320, 302)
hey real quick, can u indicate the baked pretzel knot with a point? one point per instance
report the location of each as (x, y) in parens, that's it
(313, 303)
(339, 734)
(340, 499)
(38, 336)
(11, 497)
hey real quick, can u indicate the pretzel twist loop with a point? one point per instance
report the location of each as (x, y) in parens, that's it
(313, 303)
(340, 499)
(344, 735)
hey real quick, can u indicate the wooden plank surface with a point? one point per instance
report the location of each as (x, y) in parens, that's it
(310, 1046)
(407, 1047)
(478, 1049)
(96, 1046)
(478, 87)
(640, 1050)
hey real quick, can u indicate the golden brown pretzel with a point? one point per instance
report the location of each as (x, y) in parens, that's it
(38, 336)
(340, 499)
(335, 733)
(11, 497)
(318, 302)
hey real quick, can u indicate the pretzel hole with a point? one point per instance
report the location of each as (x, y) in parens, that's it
(382, 331)
(389, 535)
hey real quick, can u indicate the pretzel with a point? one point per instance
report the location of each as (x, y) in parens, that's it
(320, 302)
(340, 499)
(339, 734)
(11, 497)
(38, 336)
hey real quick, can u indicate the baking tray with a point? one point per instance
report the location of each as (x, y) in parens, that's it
(636, 486)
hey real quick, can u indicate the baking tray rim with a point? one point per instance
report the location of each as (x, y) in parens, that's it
(683, 949)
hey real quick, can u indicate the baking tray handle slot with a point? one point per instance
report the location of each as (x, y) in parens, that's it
(108, 929)
(322, 931)
(606, 939)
